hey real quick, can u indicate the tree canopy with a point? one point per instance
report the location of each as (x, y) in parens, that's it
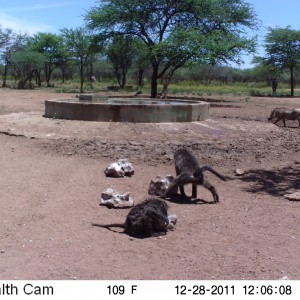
(176, 32)
(5, 36)
(121, 54)
(81, 49)
(10, 42)
(282, 46)
(51, 45)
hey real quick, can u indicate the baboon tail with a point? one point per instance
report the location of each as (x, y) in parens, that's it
(210, 169)
(109, 225)
(212, 189)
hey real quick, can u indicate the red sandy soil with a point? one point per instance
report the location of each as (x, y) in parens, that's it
(52, 175)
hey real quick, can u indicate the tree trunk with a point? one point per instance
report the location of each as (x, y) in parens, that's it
(292, 81)
(47, 74)
(154, 78)
(81, 71)
(5, 75)
(81, 81)
(123, 79)
(81, 86)
(63, 74)
(166, 82)
(164, 92)
(118, 75)
(140, 77)
(39, 79)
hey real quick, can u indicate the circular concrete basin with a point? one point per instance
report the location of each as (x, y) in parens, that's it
(142, 110)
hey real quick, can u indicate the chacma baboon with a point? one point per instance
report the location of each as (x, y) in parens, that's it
(189, 171)
(147, 219)
(285, 114)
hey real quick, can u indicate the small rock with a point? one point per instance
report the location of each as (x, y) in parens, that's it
(114, 170)
(120, 168)
(2, 251)
(113, 199)
(160, 184)
(239, 172)
(172, 219)
(293, 197)
(172, 222)
(126, 166)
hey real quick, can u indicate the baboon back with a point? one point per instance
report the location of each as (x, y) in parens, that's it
(189, 172)
(149, 218)
(185, 162)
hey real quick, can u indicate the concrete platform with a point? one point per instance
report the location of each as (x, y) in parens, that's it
(142, 110)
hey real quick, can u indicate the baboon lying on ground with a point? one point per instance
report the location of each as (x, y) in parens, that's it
(149, 218)
(189, 171)
(285, 114)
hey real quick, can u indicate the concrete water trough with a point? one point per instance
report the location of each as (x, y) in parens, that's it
(143, 110)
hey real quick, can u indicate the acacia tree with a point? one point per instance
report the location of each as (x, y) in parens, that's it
(6, 37)
(10, 42)
(25, 64)
(176, 32)
(120, 53)
(141, 61)
(81, 48)
(282, 46)
(52, 47)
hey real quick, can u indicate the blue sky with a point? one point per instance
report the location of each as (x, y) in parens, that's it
(273, 13)
(49, 16)
(43, 15)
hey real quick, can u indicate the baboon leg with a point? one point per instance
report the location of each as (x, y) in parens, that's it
(212, 189)
(194, 191)
(177, 182)
(181, 188)
(172, 186)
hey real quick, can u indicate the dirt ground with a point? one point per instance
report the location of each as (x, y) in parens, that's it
(52, 175)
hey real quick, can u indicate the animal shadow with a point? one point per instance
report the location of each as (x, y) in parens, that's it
(273, 182)
(178, 199)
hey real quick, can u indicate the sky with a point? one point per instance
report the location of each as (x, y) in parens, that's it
(34, 16)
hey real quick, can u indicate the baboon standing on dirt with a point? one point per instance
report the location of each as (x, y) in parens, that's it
(147, 219)
(188, 171)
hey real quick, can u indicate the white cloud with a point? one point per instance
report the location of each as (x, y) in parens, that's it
(23, 25)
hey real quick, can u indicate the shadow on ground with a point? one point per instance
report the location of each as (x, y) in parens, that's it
(178, 199)
(273, 182)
